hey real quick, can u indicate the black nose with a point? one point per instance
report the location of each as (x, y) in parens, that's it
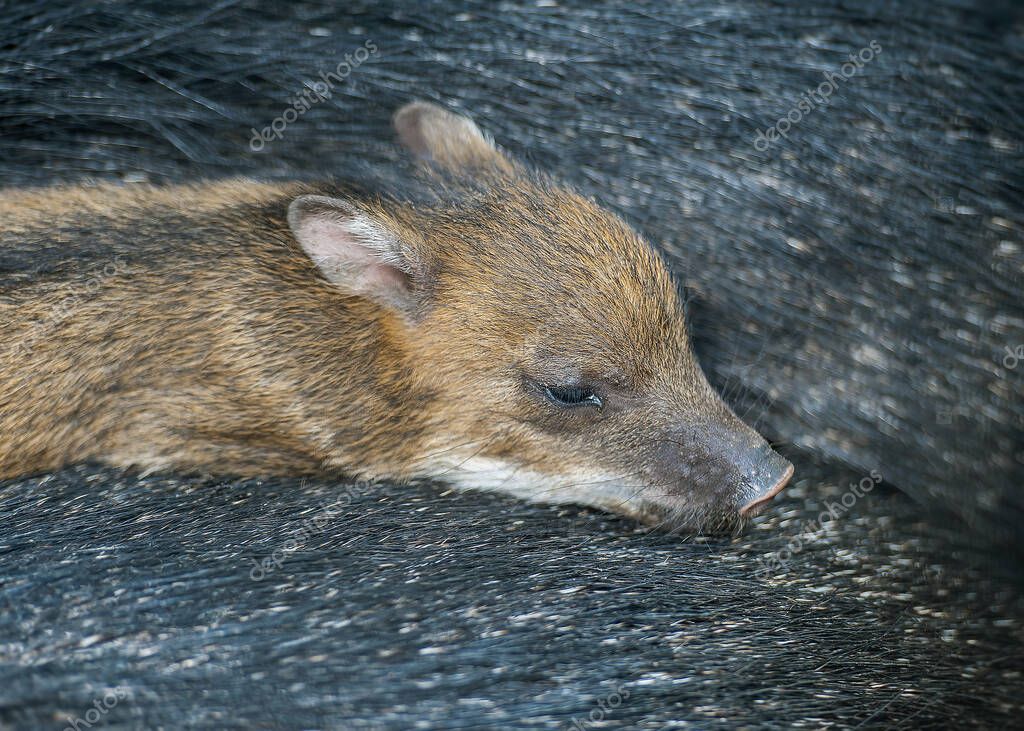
(769, 473)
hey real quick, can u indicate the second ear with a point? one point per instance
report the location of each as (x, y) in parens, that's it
(450, 140)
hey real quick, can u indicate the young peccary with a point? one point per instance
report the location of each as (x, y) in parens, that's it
(507, 334)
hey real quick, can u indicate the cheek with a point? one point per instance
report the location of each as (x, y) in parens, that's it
(529, 440)
(475, 407)
(636, 448)
(564, 442)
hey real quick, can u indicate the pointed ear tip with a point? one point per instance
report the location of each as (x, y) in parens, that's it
(300, 206)
(446, 138)
(295, 210)
(418, 121)
(311, 205)
(409, 115)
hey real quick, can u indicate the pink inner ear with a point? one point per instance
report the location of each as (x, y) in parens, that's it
(383, 278)
(351, 253)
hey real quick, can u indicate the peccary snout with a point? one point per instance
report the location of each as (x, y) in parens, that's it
(751, 472)
(716, 464)
(768, 473)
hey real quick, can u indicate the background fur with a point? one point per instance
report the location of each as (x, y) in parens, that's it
(853, 290)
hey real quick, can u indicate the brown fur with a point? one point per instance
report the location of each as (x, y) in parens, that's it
(210, 342)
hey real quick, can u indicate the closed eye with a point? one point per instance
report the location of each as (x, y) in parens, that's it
(571, 396)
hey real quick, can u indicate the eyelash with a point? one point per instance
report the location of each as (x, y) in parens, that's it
(572, 396)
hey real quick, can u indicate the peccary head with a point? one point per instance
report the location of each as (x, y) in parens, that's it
(549, 336)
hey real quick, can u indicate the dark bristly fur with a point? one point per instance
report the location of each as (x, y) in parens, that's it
(889, 222)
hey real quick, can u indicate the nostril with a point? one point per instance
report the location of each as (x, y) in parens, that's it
(771, 476)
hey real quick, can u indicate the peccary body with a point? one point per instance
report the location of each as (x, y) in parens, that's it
(509, 335)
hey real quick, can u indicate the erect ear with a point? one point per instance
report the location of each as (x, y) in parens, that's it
(449, 140)
(358, 251)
